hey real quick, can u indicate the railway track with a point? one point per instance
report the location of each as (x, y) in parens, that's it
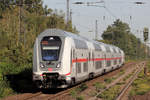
(32, 96)
(60, 95)
(123, 91)
(138, 68)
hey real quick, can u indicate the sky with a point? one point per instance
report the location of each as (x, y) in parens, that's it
(84, 17)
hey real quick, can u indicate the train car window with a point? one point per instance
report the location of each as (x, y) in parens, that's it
(119, 60)
(80, 44)
(78, 67)
(98, 64)
(71, 58)
(85, 67)
(50, 47)
(107, 49)
(73, 54)
(114, 50)
(119, 51)
(92, 55)
(97, 47)
(115, 62)
(82, 54)
(108, 63)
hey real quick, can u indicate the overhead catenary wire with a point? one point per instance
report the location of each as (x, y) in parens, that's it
(110, 12)
(102, 6)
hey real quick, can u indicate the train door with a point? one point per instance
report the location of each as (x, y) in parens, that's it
(105, 61)
(79, 65)
(90, 62)
(73, 63)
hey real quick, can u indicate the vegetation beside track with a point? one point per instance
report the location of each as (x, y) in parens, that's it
(119, 34)
(76, 91)
(141, 85)
(16, 45)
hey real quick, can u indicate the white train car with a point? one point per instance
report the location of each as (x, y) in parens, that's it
(62, 59)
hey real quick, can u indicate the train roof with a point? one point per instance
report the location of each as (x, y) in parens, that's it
(59, 32)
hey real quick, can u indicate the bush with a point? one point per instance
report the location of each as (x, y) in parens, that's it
(99, 86)
(110, 94)
(80, 98)
(92, 93)
(5, 89)
(73, 93)
(121, 72)
(142, 88)
(82, 87)
(10, 76)
(108, 80)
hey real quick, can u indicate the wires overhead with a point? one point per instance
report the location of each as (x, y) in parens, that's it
(95, 4)
(110, 12)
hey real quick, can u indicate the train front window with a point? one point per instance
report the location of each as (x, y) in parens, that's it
(50, 48)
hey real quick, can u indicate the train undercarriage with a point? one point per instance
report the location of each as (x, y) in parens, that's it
(52, 80)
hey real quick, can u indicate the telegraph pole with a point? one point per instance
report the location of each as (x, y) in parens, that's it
(20, 5)
(71, 15)
(68, 14)
(96, 31)
(20, 15)
(93, 4)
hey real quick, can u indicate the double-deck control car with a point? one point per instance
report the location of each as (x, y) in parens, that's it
(62, 59)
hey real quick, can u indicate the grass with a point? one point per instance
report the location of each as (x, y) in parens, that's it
(82, 87)
(110, 93)
(121, 72)
(80, 98)
(142, 84)
(108, 80)
(92, 93)
(75, 92)
(128, 76)
(99, 86)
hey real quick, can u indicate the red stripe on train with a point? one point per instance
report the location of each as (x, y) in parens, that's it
(85, 60)
(96, 59)
(79, 60)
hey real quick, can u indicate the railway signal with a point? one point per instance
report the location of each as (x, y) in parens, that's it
(145, 34)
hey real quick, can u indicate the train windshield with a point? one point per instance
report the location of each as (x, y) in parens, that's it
(50, 48)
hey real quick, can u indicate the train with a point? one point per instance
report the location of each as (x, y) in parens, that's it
(62, 59)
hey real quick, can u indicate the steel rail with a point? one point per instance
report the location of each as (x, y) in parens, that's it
(123, 91)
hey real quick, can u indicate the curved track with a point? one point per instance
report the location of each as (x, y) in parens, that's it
(123, 91)
(62, 93)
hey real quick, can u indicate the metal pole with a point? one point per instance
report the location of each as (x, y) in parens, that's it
(96, 31)
(71, 15)
(20, 21)
(68, 14)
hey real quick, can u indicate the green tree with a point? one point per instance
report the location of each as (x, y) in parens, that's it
(119, 34)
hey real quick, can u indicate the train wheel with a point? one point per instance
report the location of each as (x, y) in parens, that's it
(91, 75)
(73, 81)
(104, 71)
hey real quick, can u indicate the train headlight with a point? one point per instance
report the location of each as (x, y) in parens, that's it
(58, 65)
(42, 65)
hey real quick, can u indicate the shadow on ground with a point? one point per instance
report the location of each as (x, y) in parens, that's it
(22, 82)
